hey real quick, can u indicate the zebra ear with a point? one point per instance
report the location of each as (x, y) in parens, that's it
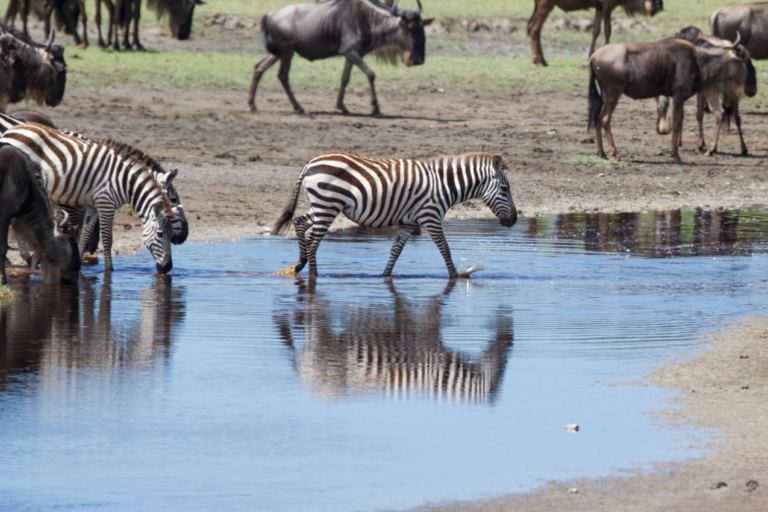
(497, 164)
(172, 174)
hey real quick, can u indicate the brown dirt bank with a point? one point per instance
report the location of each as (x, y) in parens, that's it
(725, 389)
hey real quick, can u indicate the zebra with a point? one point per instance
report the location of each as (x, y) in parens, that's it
(410, 194)
(78, 171)
(80, 215)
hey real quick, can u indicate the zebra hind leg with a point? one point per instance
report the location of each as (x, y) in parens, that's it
(403, 234)
(435, 230)
(300, 225)
(322, 221)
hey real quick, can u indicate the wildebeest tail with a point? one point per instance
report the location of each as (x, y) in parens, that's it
(595, 99)
(284, 221)
(713, 24)
(272, 47)
(123, 11)
(530, 20)
(728, 111)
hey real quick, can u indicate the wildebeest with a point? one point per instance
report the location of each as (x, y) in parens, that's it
(352, 28)
(13, 77)
(603, 9)
(45, 69)
(26, 210)
(65, 12)
(725, 108)
(750, 21)
(674, 67)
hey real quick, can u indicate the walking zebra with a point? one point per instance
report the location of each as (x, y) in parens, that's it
(411, 194)
(77, 171)
(79, 215)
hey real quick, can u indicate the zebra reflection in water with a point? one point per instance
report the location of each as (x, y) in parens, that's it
(398, 349)
(47, 330)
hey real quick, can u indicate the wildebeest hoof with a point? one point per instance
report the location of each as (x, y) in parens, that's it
(301, 112)
(137, 47)
(83, 46)
(710, 153)
(342, 109)
(251, 107)
(744, 152)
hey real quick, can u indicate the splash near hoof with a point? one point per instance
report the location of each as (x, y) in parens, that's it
(290, 271)
(90, 259)
(467, 271)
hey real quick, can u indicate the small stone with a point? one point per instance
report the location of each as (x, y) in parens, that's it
(601, 175)
(587, 140)
(752, 485)
(743, 357)
(573, 490)
(254, 158)
(226, 154)
(718, 485)
(572, 427)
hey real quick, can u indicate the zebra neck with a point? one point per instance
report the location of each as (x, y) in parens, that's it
(462, 178)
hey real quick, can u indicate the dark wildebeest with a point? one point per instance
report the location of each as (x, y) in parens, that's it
(13, 77)
(26, 210)
(750, 21)
(722, 101)
(352, 28)
(65, 12)
(45, 69)
(673, 68)
(603, 9)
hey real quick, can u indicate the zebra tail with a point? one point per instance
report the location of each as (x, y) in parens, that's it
(284, 221)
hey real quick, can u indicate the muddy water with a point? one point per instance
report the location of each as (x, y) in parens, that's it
(220, 388)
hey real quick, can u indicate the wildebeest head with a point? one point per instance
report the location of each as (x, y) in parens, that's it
(180, 14)
(55, 60)
(12, 61)
(413, 40)
(498, 196)
(64, 266)
(740, 55)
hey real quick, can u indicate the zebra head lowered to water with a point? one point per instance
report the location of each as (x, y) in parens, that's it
(410, 194)
(77, 171)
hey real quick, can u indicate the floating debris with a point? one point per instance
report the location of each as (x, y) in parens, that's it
(573, 427)
(752, 485)
(290, 271)
(573, 490)
(718, 485)
(466, 271)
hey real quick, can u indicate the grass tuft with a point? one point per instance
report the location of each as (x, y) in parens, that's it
(593, 161)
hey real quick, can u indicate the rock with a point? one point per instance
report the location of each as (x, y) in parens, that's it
(254, 158)
(226, 154)
(587, 140)
(572, 427)
(752, 485)
(718, 485)
(573, 490)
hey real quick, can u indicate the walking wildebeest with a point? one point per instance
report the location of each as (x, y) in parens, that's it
(13, 77)
(352, 28)
(603, 9)
(723, 109)
(750, 21)
(674, 67)
(123, 12)
(26, 210)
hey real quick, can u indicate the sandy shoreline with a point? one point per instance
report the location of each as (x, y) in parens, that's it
(237, 171)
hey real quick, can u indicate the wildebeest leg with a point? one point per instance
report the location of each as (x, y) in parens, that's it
(357, 60)
(84, 19)
(542, 10)
(700, 144)
(662, 109)
(737, 118)
(677, 126)
(136, 18)
(24, 16)
(300, 225)
(605, 120)
(344, 81)
(97, 20)
(607, 9)
(259, 70)
(10, 12)
(435, 230)
(5, 223)
(596, 29)
(323, 218)
(717, 110)
(285, 68)
(403, 234)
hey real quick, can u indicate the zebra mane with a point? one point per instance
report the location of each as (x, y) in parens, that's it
(479, 155)
(132, 153)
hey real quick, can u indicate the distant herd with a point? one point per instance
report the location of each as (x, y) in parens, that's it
(43, 168)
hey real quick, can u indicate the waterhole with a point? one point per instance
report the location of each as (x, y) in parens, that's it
(222, 388)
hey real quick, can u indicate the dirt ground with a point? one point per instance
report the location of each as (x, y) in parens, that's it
(237, 170)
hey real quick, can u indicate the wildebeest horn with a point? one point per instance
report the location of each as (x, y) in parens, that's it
(394, 7)
(63, 222)
(50, 41)
(419, 2)
(738, 38)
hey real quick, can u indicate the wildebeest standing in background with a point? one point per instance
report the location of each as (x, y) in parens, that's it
(65, 12)
(603, 9)
(723, 101)
(750, 21)
(45, 69)
(13, 77)
(25, 208)
(352, 28)
(672, 67)
(123, 12)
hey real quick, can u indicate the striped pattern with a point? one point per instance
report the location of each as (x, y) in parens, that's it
(411, 194)
(77, 171)
(178, 222)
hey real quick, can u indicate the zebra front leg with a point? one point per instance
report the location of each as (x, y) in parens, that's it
(88, 223)
(106, 216)
(300, 225)
(403, 234)
(435, 230)
(322, 221)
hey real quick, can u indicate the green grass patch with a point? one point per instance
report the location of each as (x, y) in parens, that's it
(593, 161)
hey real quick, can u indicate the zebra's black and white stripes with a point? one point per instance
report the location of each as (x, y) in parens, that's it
(77, 171)
(377, 192)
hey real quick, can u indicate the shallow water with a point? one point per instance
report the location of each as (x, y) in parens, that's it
(221, 388)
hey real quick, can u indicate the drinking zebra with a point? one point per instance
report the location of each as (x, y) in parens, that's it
(377, 192)
(77, 171)
(79, 215)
